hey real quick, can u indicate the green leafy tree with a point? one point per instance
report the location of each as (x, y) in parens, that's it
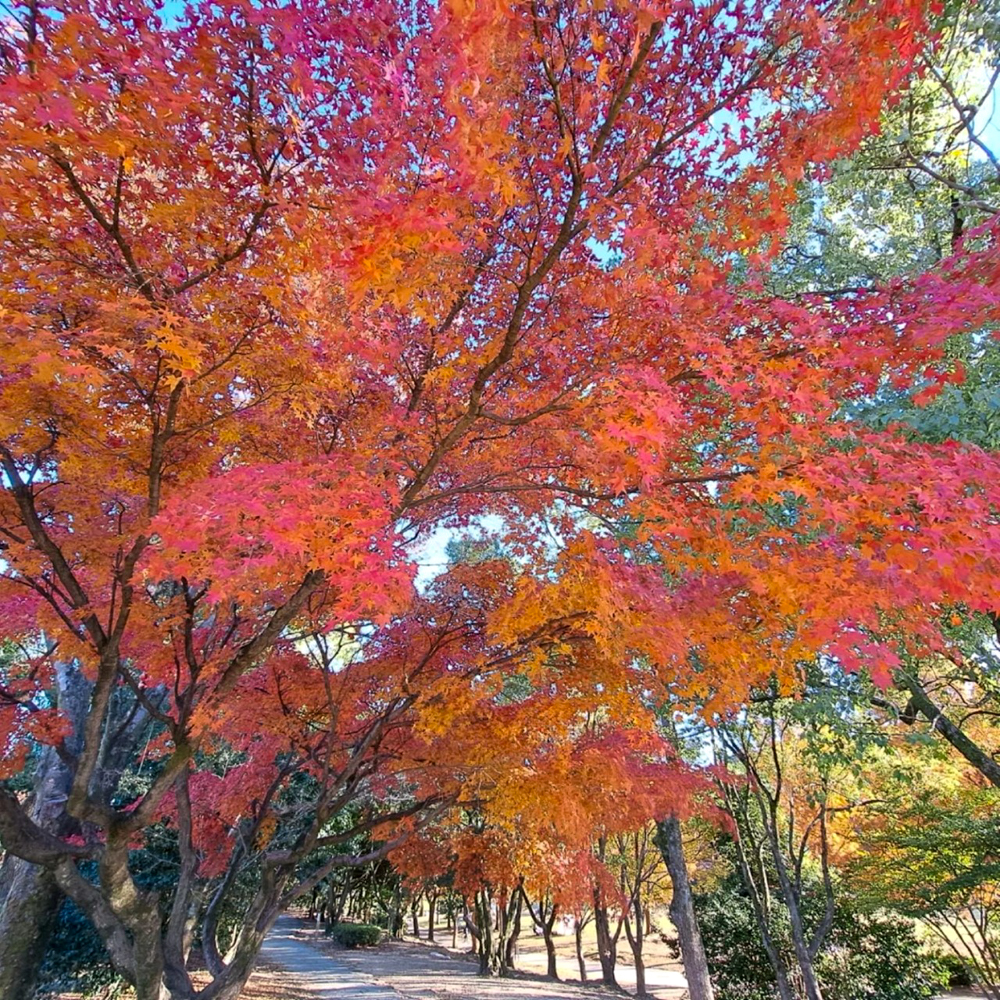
(939, 861)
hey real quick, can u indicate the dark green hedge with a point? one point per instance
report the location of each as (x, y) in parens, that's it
(356, 935)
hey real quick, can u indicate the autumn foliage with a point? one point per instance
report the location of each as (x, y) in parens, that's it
(287, 289)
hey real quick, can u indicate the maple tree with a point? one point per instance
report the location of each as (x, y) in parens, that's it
(905, 200)
(423, 861)
(286, 288)
(534, 842)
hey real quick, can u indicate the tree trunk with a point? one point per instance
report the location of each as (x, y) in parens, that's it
(803, 955)
(969, 749)
(431, 906)
(337, 914)
(28, 909)
(513, 930)
(149, 966)
(544, 920)
(784, 987)
(635, 939)
(607, 944)
(682, 913)
(485, 939)
(395, 917)
(640, 970)
(469, 927)
(336, 899)
(578, 933)
(550, 952)
(29, 895)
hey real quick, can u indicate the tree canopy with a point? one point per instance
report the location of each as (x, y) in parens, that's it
(288, 289)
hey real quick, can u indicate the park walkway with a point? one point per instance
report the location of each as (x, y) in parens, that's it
(417, 971)
(312, 971)
(407, 970)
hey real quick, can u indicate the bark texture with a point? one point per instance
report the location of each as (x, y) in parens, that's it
(682, 912)
(967, 747)
(30, 898)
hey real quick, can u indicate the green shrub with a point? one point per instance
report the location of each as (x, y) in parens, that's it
(75, 959)
(738, 964)
(866, 956)
(876, 956)
(955, 969)
(356, 935)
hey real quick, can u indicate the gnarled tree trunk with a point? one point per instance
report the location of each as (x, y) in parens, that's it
(30, 898)
(29, 902)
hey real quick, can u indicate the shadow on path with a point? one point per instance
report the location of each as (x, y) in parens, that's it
(320, 975)
(412, 970)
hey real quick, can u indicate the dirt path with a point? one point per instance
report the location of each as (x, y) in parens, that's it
(422, 971)
(319, 969)
(316, 973)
